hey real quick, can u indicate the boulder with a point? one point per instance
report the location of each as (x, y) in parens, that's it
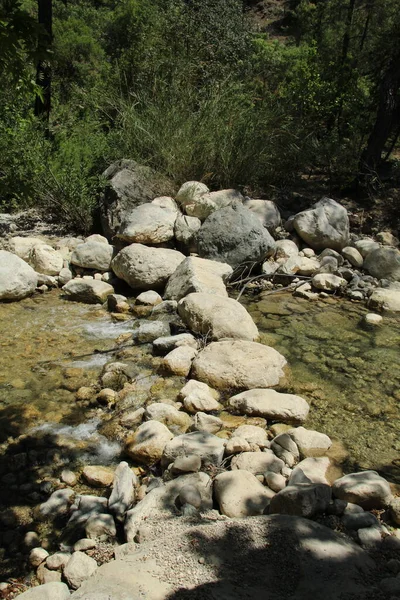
(324, 225)
(147, 224)
(367, 489)
(387, 238)
(205, 204)
(207, 423)
(145, 268)
(93, 254)
(240, 494)
(365, 246)
(49, 591)
(190, 192)
(353, 256)
(270, 404)
(148, 442)
(238, 364)
(163, 345)
(176, 420)
(185, 230)
(198, 275)
(285, 249)
(266, 210)
(383, 263)
(89, 291)
(85, 506)
(79, 567)
(209, 447)
(129, 185)
(179, 361)
(149, 298)
(303, 500)
(166, 202)
(284, 447)
(310, 442)
(328, 282)
(311, 470)
(23, 246)
(98, 476)
(101, 528)
(253, 434)
(57, 505)
(234, 235)
(217, 317)
(17, 279)
(123, 491)
(58, 560)
(197, 396)
(257, 463)
(385, 299)
(44, 259)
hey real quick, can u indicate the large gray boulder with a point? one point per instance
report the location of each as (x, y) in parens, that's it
(148, 224)
(367, 489)
(238, 365)
(383, 263)
(325, 225)
(148, 442)
(198, 275)
(217, 317)
(44, 259)
(266, 210)
(89, 291)
(129, 186)
(93, 255)
(17, 279)
(234, 235)
(303, 499)
(145, 268)
(270, 404)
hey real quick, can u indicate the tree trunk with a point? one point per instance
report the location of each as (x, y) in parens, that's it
(43, 71)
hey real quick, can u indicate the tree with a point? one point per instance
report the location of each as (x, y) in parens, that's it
(43, 72)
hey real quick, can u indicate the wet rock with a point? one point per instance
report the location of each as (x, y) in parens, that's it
(98, 476)
(163, 345)
(149, 298)
(303, 500)
(383, 263)
(17, 279)
(174, 419)
(257, 463)
(267, 212)
(48, 591)
(101, 528)
(385, 299)
(372, 319)
(207, 423)
(89, 291)
(148, 442)
(209, 447)
(107, 397)
(217, 317)
(366, 488)
(325, 225)
(145, 268)
(234, 235)
(130, 418)
(270, 404)
(240, 494)
(79, 568)
(179, 360)
(147, 224)
(198, 275)
(239, 364)
(93, 254)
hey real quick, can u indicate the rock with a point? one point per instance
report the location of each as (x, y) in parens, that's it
(257, 463)
(267, 211)
(365, 246)
(190, 494)
(311, 470)
(253, 434)
(240, 494)
(205, 204)
(129, 185)
(270, 404)
(236, 445)
(147, 224)
(328, 282)
(394, 510)
(190, 192)
(209, 447)
(310, 442)
(198, 275)
(207, 423)
(37, 556)
(145, 268)
(217, 317)
(179, 360)
(303, 500)
(234, 235)
(79, 567)
(391, 587)
(163, 345)
(85, 506)
(123, 491)
(286, 449)
(22, 246)
(58, 504)
(185, 231)
(130, 418)
(359, 520)
(149, 298)
(84, 544)
(187, 464)
(370, 537)
(93, 254)
(373, 320)
(387, 238)
(148, 442)
(383, 263)
(48, 280)
(325, 225)
(101, 528)
(148, 331)
(275, 481)
(269, 267)
(385, 299)
(57, 561)
(239, 364)
(353, 256)
(89, 291)
(107, 397)
(177, 421)
(285, 249)
(44, 259)
(197, 398)
(17, 279)
(49, 591)
(367, 489)
(166, 202)
(300, 265)
(31, 540)
(98, 476)
(64, 276)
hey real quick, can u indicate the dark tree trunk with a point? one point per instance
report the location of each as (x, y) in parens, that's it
(43, 71)
(387, 119)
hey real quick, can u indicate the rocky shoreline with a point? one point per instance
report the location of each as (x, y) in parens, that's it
(183, 461)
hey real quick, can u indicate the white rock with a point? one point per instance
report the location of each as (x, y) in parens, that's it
(185, 230)
(367, 489)
(266, 210)
(179, 360)
(204, 205)
(163, 345)
(189, 192)
(93, 255)
(79, 567)
(383, 263)
(385, 299)
(174, 419)
(387, 238)
(84, 544)
(148, 442)
(49, 591)
(123, 492)
(310, 441)
(365, 246)
(149, 298)
(257, 463)
(147, 224)
(87, 291)
(209, 447)
(58, 560)
(22, 246)
(236, 445)
(325, 225)
(37, 556)
(271, 405)
(58, 504)
(373, 319)
(44, 259)
(64, 276)
(166, 202)
(253, 434)
(17, 279)
(217, 317)
(284, 249)
(311, 470)
(101, 528)
(198, 275)
(207, 423)
(353, 256)
(328, 282)
(240, 494)
(275, 481)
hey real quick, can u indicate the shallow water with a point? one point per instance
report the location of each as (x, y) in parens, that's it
(349, 374)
